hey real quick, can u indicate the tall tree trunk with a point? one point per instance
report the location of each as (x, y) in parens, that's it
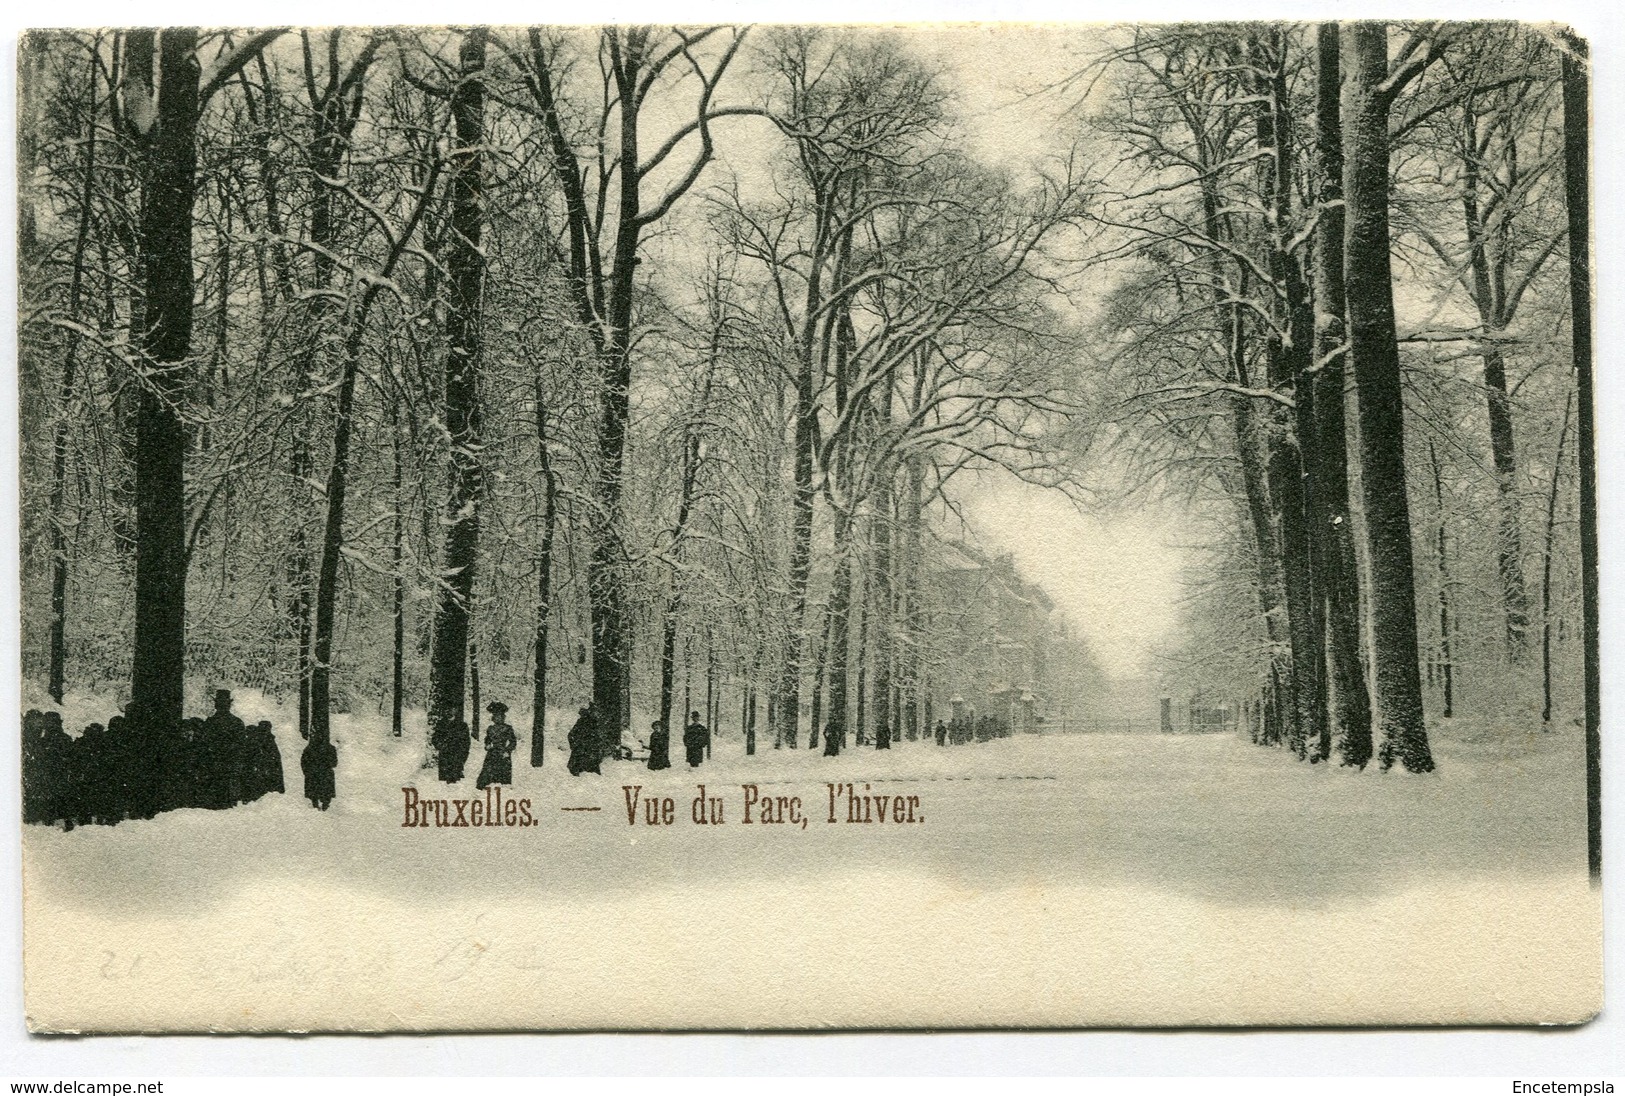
(1250, 450)
(448, 661)
(913, 612)
(1447, 663)
(327, 571)
(1509, 541)
(1251, 455)
(1546, 573)
(712, 701)
(327, 148)
(299, 576)
(668, 624)
(276, 291)
(750, 717)
(544, 579)
(606, 583)
(860, 720)
(169, 162)
(335, 123)
(1487, 286)
(1577, 191)
(61, 440)
(474, 690)
(1374, 352)
(397, 560)
(840, 628)
(801, 519)
(884, 613)
(1340, 592)
(820, 665)
(1288, 349)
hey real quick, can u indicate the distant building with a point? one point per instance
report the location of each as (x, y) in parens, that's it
(990, 638)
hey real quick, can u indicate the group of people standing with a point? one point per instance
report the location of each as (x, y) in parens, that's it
(132, 769)
(696, 743)
(588, 747)
(453, 741)
(958, 732)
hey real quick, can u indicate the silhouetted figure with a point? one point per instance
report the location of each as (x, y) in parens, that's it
(319, 759)
(586, 751)
(500, 742)
(696, 740)
(264, 761)
(47, 767)
(942, 733)
(222, 757)
(134, 769)
(450, 742)
(834, 738)
(659, 746)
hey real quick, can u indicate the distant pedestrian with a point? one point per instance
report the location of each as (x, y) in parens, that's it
(942, 733)
(659, 746)
(319, 760)
(696, 740)
(500, 741)
(586, 752)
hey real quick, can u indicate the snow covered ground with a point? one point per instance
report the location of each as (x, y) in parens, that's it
(1077, 879)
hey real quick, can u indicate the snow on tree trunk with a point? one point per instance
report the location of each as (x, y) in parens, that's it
(1288, 347)
(448, 660)
(1374, 353)
(168, 177)
(1577, 192)
(1351, 704)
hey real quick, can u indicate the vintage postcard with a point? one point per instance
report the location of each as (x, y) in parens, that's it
(797, 527)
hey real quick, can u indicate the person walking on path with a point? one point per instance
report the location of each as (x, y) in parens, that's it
(500, 742)
(585, 752)
(696, 740)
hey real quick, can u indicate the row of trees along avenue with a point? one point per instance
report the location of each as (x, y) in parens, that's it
(650, 365)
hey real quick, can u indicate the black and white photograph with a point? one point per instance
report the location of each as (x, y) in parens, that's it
(807, 527)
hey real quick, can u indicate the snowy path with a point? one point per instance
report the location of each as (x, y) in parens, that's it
(1094, 878)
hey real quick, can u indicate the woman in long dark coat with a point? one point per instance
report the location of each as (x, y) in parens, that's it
(585, 751)
(500, 741)
(659, 746)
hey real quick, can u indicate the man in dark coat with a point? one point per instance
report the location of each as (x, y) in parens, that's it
(942, 733)
(500, 741)
(659, 746)
(319, 760)
(450, 742)
(696, 740)
(222, 757)
(586, 752)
